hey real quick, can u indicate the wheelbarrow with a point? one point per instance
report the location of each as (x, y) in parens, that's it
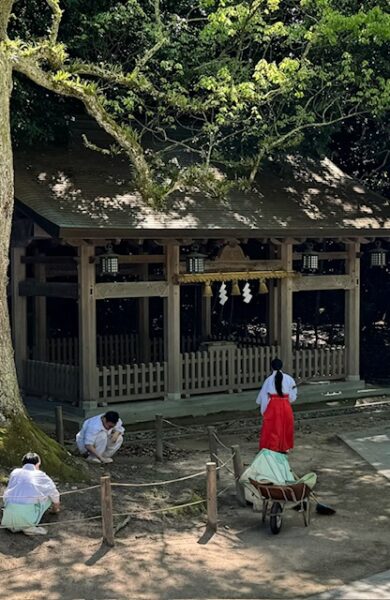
(276, 497)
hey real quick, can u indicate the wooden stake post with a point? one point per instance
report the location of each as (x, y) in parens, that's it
(238, 470)
(213, 445)
(159, 438)
(59, 425)
(212, 513)
(107, 518)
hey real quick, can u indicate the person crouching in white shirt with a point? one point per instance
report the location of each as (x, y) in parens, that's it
(29, 494)
(100, 437)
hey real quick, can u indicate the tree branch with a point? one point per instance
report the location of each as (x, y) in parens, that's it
(56, 12)
(147, 56)
(282, 139)
(125, 137)
(5, 13)
(117, 77)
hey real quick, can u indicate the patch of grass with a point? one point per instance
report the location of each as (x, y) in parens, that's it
(189, 511)
(22, 435)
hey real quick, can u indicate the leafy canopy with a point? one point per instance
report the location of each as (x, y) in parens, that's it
(188, 85)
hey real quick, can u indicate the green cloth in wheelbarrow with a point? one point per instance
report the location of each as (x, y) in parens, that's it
(273, 469)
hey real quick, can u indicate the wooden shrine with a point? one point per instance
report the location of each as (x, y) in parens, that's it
(75, 210)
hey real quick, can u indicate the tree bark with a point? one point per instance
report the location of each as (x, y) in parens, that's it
(18, 434)
(10, 400)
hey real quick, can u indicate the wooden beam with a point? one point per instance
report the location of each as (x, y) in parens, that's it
(308, 283)
(87, 328)
(286, 307)
(131, 289)
(19, 311)
(352, 313)
(40, 334)
(50, 260)
(172, 324)
(273, 302)
(144, 318)
(39, 233)
(31, 287)
(247, 265)
(142, 259)
(324, 255)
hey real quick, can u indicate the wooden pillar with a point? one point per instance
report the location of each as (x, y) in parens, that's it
(273, 312)
(144, 333)
(40, 332)
(19, 311)
(206, 317)
(87, 328)
(273, 301)
(352, 314)
(286, 308)
(172, 324)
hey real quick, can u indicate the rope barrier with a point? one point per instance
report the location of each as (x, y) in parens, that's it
(194, 431)
(225, 463)
(134, 512)
(224, 489)
(79, 490)
(156, 483)
(107, 533)
(91, 487)
(219, 442)
(156, 510)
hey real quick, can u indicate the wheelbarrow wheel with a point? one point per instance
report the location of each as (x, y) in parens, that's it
(275, 520)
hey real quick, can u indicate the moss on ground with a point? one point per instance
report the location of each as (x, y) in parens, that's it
(23, 435)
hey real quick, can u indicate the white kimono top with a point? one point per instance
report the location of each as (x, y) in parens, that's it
(90, 429)
(268, 388)
(29, 485)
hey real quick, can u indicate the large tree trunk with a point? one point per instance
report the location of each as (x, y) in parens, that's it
(10, 400)
(18, 434)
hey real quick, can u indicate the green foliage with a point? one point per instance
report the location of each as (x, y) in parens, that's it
(221, 80)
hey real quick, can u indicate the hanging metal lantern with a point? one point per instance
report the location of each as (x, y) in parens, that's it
(195, 262)
(378, 256)
(109, 263)
(310, 260)
(207, 290)
(236, 288)
(263, 288)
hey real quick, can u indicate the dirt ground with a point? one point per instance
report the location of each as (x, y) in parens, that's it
(171, 556)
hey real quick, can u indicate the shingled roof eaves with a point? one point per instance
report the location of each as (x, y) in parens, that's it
(81, 193)
(50, 228)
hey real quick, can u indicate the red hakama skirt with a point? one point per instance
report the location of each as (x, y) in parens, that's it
(277, 430)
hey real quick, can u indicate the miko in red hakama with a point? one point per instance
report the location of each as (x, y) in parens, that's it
(277, 430)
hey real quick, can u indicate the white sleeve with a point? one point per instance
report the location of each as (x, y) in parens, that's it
(292, 389)
(90, 434)
(263, 397)
(47, 487)
(9, 486)
(119, 427)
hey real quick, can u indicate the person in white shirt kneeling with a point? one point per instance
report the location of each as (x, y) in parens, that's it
(29, 494)
(100, 437)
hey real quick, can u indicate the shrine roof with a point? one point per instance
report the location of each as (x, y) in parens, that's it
(80, 193)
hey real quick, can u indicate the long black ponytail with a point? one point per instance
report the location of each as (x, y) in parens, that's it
(278, 383)
(276, 365)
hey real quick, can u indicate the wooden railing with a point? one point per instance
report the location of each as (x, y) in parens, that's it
(220, 369)
(132, 382)
(51, 379)
(125, 349)
(319, 363)
(226, 369)
(252, 366)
